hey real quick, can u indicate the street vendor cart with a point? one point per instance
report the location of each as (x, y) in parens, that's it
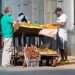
(49, 30)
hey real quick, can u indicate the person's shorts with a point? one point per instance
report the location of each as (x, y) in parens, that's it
(61, 43)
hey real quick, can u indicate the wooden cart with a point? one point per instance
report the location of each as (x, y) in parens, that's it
(30, 29)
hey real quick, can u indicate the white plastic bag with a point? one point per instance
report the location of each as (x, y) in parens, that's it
(48, 32)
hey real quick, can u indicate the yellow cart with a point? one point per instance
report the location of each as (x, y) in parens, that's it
(31, 29)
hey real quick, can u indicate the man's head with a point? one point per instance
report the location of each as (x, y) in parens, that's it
(20, 14)
(58, 11)
(7, 10)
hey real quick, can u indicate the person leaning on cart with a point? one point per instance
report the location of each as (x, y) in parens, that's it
(7, 28)
(26, 39)
(62, 33)
(21, 18)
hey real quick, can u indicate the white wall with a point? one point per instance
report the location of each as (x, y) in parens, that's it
(31, 8)
(35, 9)
(18, 6)
(27, 8)
(38, 11)
(59, 3)
(68, 6)
(49, 8)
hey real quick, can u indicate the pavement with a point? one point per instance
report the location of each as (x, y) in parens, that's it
(59, 70)
(68, 69)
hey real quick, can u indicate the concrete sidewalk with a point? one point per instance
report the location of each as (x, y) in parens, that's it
(59, 70)
(71, 59)
(21, 68)
(68, 69)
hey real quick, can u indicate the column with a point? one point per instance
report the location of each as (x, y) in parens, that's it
(68, 7)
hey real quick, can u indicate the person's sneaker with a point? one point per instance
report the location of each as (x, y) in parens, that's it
(66, 61)
(62, 62)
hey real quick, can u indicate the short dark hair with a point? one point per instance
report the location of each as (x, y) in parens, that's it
(20, 14)
(58, 9)
(7, 9)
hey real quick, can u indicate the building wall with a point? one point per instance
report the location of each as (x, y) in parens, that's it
(68, 6)
(33, 9)
(19, 6)
(43, 11)
(38, 11)
(49, 8)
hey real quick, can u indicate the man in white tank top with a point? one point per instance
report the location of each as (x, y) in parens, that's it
(62, 33)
